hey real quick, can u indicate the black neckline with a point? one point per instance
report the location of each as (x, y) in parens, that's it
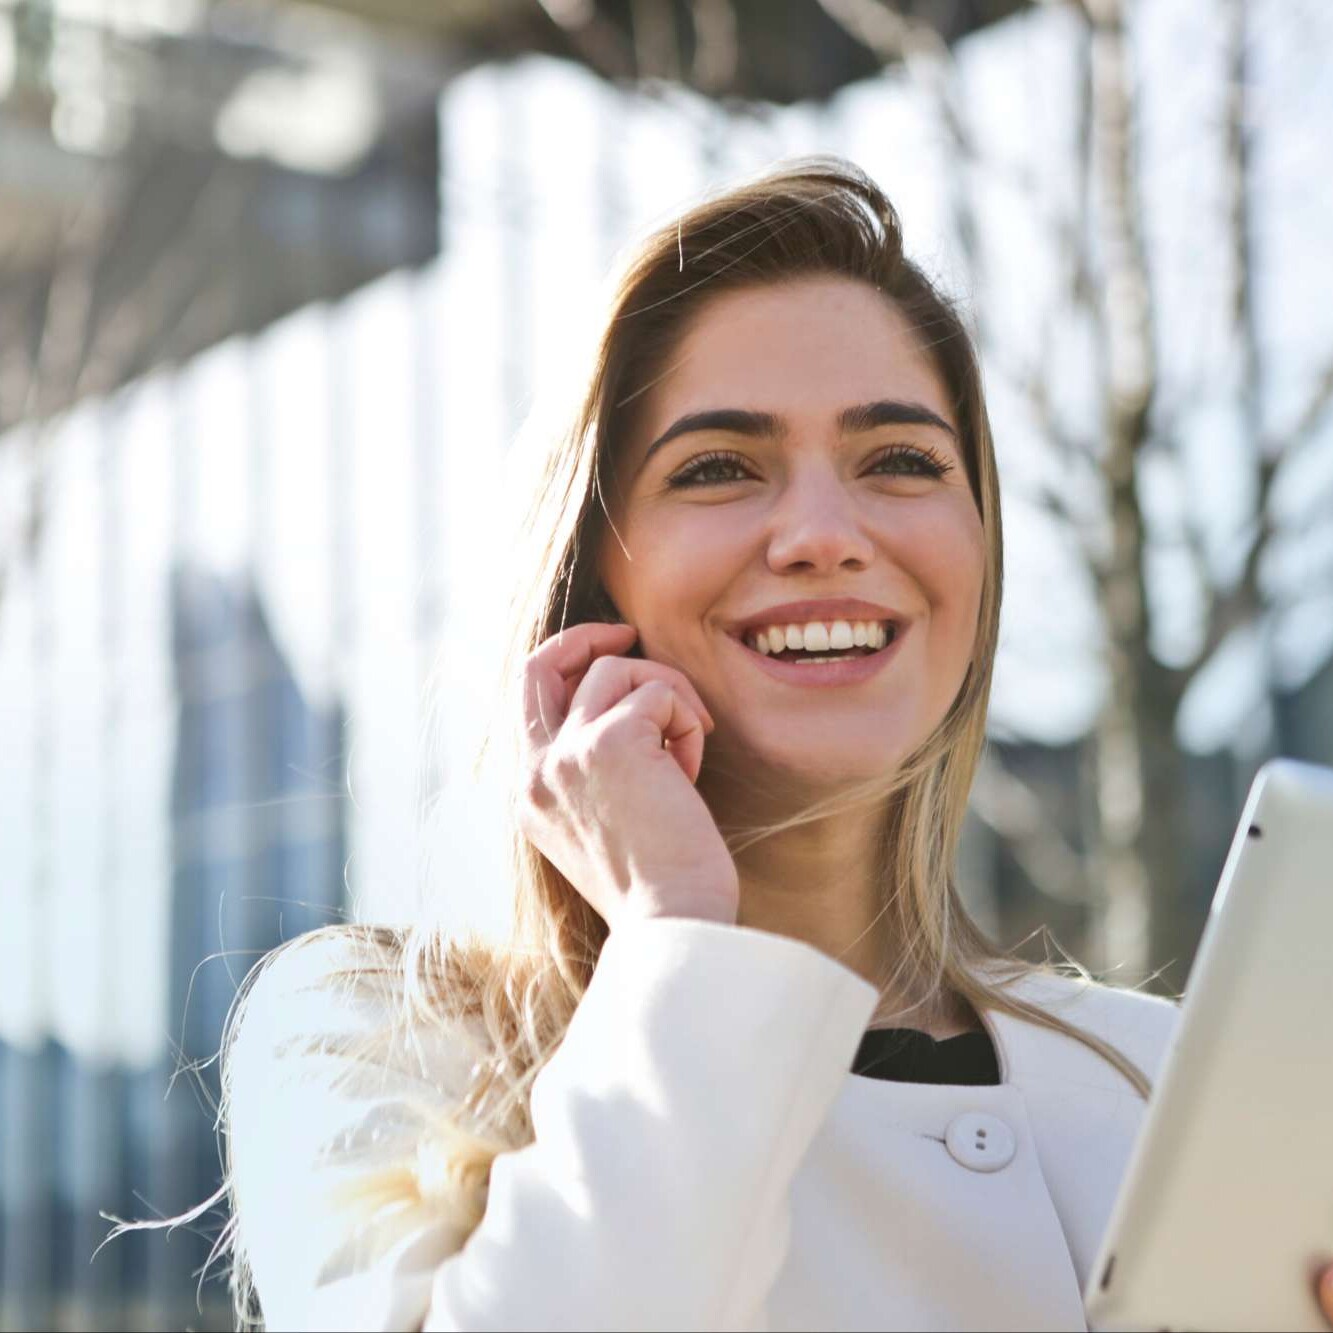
(908, 1055)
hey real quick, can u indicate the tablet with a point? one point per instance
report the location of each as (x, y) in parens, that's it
(1226, 1207)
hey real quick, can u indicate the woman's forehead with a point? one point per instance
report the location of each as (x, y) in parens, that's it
(803, 349)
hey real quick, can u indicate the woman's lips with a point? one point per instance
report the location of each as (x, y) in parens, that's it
(824, 675)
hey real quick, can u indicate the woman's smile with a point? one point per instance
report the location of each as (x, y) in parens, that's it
(806, 669)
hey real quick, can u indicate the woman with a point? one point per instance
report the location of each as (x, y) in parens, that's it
(746, 1062)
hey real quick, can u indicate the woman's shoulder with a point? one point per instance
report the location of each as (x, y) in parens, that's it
(1066, 988)
(333, 1005)
(348, 970)
(1133, 1020)
(344, 1116)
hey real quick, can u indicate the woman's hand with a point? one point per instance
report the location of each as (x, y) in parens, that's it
(612, 749)
(1324, 1291)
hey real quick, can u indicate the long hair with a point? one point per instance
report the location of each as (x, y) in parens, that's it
(819, 216)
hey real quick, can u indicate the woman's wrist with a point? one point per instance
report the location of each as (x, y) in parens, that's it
(699, 902)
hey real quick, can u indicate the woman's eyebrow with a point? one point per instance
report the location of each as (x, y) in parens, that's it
(864, 416)
(733, 420)
(892, 412)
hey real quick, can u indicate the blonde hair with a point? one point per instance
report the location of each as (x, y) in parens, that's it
(818, 216)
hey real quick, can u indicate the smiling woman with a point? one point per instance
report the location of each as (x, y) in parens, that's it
(746, 1062)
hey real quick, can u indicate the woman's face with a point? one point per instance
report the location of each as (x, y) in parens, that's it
(797, 465)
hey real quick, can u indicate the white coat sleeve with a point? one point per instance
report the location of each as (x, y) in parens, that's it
(667, 1130)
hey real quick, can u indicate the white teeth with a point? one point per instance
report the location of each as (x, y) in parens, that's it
(840, 635)
(817, 637)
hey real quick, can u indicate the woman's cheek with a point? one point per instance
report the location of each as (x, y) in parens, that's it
(953, 583)
(945, 552)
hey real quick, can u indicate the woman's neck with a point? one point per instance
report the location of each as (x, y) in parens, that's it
(817, 883)
(821, 883)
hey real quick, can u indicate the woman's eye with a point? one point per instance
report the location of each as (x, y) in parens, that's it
(909, 460)
(898, 460)
(708, 469)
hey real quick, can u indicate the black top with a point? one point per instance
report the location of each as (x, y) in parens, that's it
(905, 1055)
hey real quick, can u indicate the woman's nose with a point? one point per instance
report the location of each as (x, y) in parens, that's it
(816, 528)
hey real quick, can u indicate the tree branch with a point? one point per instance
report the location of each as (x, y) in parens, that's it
(1242, 602)
(923, 52)
(1321, 400)
(1008, 806)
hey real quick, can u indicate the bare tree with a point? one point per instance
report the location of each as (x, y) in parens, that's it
(1135, 871)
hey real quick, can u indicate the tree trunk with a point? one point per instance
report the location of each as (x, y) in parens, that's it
(1139, 829)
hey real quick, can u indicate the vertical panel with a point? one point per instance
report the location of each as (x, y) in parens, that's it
(473, 300)
(78, 920)
(143, 741)
(559, 113)
(88, 1120)
(88, 1134)
(433, 382)
(296, 574)
(146, 489)
(374, 331)
(26, 1182)
(295, 558)
(26, 1188)
(22, 1002)
(219, 662)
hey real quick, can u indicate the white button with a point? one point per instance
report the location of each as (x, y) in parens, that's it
(980, 1142)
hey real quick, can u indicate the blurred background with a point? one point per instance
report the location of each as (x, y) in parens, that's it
(279, 284)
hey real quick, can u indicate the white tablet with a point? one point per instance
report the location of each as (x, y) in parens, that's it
(1227, 1203)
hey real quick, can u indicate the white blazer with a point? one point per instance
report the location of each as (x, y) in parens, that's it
(703, 1158)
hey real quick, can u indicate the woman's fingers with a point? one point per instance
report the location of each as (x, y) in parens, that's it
(608, 680)
(576, 677)
(657, 705)
(553, 670)
(575, 647)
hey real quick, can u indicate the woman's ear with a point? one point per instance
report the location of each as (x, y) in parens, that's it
(604, 608)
